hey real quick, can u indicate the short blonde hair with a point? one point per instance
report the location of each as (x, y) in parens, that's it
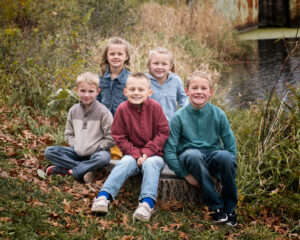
(201, 74)
(139, 75)
(88, 77)
(161, 51)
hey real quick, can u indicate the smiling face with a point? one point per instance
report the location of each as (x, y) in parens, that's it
(87, 93)
(160, 66)
(137, 90)
(116, 56)
(198, 91)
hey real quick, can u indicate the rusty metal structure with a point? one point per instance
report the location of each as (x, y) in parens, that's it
(260, 13)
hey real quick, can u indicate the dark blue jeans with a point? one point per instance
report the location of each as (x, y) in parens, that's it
(203, 164)
(66, 157)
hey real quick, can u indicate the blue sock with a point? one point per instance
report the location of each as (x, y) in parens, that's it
(103, 193)
(149, 201)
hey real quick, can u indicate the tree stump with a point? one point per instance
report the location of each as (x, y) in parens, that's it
(170, 186)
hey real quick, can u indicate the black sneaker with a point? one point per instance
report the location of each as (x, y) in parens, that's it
(52, 170)
(219, 216)
(232, 219)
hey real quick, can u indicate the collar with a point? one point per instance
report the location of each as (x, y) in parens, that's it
(91, 109)
(196, 110)
(137, 107)
(154, 81)
(119, 78)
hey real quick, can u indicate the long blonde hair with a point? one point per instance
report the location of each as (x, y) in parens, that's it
(161, 51)
(104, 65)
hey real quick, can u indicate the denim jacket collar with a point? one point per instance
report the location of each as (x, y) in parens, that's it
(121, 75)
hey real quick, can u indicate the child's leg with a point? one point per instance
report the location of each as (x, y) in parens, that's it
(224, 163)
(151, 170)
(125, 168)
(96, 161)
(194, 162)
(64, 157)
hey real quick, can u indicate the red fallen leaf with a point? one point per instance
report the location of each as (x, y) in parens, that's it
(167, 229)
(170, 205)
(206, 213)
(125, 220)
(197, 225)
(105, 224)
(11, 153)
(127, 237)
(183, 235)
(67, 207)
(3, 174)
(154, 226)
(5, 219)
(13, 172)
(54, 216)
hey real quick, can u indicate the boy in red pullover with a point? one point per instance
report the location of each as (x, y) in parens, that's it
(140, 129)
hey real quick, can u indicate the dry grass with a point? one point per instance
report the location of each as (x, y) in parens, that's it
(199, 39)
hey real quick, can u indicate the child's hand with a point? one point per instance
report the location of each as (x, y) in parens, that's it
(191, 180)
(141, 160)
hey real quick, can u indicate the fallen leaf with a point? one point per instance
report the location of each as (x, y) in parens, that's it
(41, 173)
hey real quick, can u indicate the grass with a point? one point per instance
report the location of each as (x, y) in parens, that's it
(59, 207)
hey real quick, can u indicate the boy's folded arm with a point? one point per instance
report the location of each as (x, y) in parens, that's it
(157, 143)
(69, 131)
(107, 141)
(227, 136)
(126, 146)
(170, 153)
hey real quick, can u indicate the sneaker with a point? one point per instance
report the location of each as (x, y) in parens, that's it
(52, 170)
(89, 176)
(232, 219)
(100, 205)
(219, 216)
(143, 212)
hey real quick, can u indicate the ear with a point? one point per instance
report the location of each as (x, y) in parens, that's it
(186, 91)
(98, 91)
(211, 92)
(150, 92)
(125, 92)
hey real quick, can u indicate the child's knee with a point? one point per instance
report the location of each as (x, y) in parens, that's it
(127, 161)
(226, 158)
(155, 162)
(49, 151)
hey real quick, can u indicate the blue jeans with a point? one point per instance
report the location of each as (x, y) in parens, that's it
(202, 165)
(127, 167)
(66, 157)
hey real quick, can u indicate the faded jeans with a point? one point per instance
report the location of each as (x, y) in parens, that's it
(127, 167)
(203, 164)
(67, 158)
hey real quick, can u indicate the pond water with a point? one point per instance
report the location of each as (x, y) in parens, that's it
(252, 80)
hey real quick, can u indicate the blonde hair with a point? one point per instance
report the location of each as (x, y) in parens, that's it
(88, 77)
(139, 75)
(104, 65)
(201, 74)
(161, 51)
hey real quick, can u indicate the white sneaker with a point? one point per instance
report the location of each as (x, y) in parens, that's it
(143, 212)
(89, 176)
(100, 205)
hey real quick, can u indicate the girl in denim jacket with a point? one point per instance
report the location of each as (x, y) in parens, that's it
(114, 70)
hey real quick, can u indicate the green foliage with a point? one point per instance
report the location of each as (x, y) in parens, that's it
(274, 169)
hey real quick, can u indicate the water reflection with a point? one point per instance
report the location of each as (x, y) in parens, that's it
(253, 80)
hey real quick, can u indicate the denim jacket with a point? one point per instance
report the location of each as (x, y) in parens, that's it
(169, 94)
(111, 91)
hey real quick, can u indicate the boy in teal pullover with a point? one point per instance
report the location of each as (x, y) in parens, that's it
(202, 145)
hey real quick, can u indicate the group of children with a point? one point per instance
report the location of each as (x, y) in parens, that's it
(138, 113)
